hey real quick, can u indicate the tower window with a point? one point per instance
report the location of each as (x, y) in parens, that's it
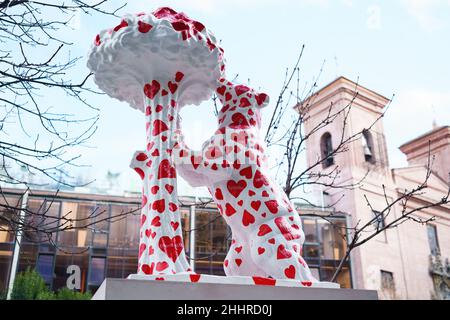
(326, 147)
(433, 239)
(387, 284)
(367, 144)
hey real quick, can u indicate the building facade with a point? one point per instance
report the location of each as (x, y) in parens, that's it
(92, 236)
(396, 262)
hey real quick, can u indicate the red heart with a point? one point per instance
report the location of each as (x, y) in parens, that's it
(155, 153)
(148, 269)
(287, 230)
(240, 202)
(225, 263)
(238, 249)
(194, 277)
(228, 96)
(290, 272)
(174, 225)
(149, 163)
(271, 240)
(148, 233)
(151, 251)
(218, 194)
(158, 108)
(154, 189)
(164, 92)
(240, 89)
(261, 281)
(251, 193)
(172, 87)
(247, 218)
(179, 76)
(144, 27)
(272, 205)
(141, 157)
(142, 248)
(261, 250)
(238, 262)
(140, 172)
(282, 253)
(261, 98)
(263, 230)
(235, 188)
(256, 205)
(265, 194)
(246, 172)
(171, 246)
(143, 218)
(229, 210)
(151, 90)
(236, 164)
(173, 207)
(213, 153)
(196, 161)
(165, 170)
(160, 266)
(122, 24)
(263, 215)
(159, 205)
(159, 127)
(239, 121)
(169, 188)
(164, 138)
(244, 103)
(221, 90)
(97, 40)
(307, 283)
(156, 222)
(259, 180)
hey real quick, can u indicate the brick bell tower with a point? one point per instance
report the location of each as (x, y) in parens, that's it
(365, 159)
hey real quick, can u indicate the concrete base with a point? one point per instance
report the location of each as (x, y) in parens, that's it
(128, 289)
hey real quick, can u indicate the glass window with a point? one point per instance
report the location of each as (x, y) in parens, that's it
(45, 267)
(42, 221)
(309, 228)
(326, 239)
(97, 272)
(326, 147)
(379, 221)
(7, 236)
(433, 239)
(211, 242)
(387, 284)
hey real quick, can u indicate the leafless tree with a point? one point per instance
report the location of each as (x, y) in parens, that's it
(38, 136)
(286, 132)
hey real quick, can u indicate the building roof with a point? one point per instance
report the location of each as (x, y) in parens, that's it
(343, 83)
(425, 136)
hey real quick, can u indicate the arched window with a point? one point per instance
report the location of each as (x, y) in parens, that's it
(368, 149)
(326, 148)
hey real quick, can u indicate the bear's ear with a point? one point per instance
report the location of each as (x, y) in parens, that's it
(262, 100)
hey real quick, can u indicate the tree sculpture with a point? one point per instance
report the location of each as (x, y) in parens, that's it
(158, 63)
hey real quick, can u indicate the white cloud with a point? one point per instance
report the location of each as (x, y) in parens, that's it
(411, 114)
(426, 12)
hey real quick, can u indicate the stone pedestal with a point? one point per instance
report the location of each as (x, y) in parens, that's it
(134, 289)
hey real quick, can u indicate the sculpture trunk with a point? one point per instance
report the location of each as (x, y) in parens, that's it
(161, 249)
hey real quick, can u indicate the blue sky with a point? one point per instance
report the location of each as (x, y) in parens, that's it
(396, 47)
